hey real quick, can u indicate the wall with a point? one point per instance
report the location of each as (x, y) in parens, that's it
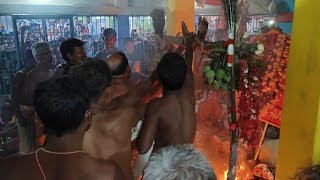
(255, 7)
(81, 7)
(287, 26)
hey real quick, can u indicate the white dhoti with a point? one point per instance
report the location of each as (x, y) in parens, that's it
(142, 159)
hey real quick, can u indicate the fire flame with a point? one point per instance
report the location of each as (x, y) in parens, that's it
(226, 174)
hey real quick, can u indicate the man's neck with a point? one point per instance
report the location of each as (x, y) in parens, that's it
(43, 67)
(66, 143)
(104, 100)
(119, 79)
(109, 49)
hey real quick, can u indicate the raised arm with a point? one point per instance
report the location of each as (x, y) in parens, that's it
(189, 82)
(135, 96)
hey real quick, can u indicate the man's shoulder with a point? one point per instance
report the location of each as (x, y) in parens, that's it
(15, 160)
(100, 55)
(154, 105)
(19, 75)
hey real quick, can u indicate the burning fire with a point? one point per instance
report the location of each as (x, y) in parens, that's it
(226, 173)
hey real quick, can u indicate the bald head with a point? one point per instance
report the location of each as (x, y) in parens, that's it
(118, 63)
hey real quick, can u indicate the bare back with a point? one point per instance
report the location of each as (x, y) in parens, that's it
(76, 166)
(110, 135)
(177, 123)
(171, 119)
(120, 86)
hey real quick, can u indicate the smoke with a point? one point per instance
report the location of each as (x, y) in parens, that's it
(159, 4)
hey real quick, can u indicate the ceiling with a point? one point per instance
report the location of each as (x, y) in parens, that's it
(107, 7)
(61, 2)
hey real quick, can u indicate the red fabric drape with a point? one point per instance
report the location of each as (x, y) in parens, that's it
(214, 2)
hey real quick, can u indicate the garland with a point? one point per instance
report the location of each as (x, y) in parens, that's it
(262, 83)
(273, 83)
(248, 108)
(250, 71)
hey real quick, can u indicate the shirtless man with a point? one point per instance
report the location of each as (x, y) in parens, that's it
(122, 79)
(170, 120)
(23, 92)
(110, 38)
(110, 134)
(18, 82)
(73, 53)
(120, 71)
(56, 102)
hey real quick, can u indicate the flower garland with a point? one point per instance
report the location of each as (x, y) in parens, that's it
(273, 83)
(261, 88)
(248, 108)
(250, 71)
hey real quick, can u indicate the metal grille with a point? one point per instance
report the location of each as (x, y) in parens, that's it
(38, 29)
(56, 31)
(90, 30)
(212, 26)
(141, 29)
(8, 55)
(141, 26)
(255, 22)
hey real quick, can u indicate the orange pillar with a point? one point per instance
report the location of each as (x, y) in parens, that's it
(300, 128)
(177, 11)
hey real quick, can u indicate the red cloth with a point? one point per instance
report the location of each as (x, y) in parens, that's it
(214, 2)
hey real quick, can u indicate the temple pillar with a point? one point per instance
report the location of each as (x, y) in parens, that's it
(122, 28)
(300, 129)
(177, 11)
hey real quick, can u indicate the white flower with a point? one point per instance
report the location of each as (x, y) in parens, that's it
(246, 35)
(260, 49)
(260, 46)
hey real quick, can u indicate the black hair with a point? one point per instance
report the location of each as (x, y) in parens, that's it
(126, 40)
(172, 71)
(61, 105)
(75, 17)
(123, 65)
(96, 75)
(109, 31)
(68, 47)
(310, 173)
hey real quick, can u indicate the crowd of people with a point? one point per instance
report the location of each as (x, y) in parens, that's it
(79, 121)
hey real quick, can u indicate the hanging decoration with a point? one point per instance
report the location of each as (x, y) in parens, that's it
(277, 46)
(230, 10)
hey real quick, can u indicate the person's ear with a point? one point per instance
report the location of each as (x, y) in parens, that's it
(69, 56)
(128, 72)
(87, 120)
